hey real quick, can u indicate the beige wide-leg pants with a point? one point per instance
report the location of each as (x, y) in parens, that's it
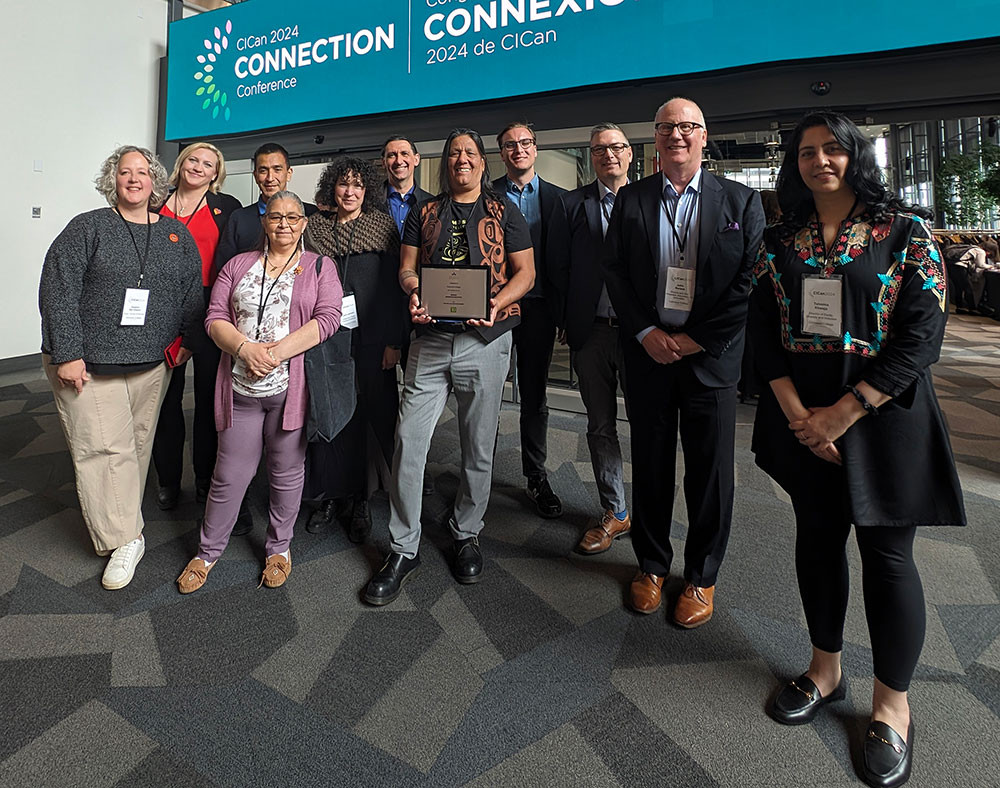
(109, 428)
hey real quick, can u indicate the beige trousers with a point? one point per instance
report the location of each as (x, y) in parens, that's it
(109, 428)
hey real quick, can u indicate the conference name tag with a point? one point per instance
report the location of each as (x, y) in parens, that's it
(348, 311)
(822, 305)
(679, 293)
(134, 310)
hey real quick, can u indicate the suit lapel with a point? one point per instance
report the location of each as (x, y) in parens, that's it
(711, 207)
(592, 208)
(649, 204)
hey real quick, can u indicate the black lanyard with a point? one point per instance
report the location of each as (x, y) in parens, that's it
(265, 298)
(143, 257)
(347, 253)
(681, 240)
(190, 215)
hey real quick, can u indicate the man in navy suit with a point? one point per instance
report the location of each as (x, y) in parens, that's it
(677, 260)
(588, 322)
(535, 336)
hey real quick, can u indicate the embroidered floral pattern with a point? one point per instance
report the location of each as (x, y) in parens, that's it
(856, 236)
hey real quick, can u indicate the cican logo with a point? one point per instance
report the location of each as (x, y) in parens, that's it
(215, 98)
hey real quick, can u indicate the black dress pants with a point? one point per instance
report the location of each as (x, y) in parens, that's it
(893, 594)
(663, 398)
(534, 339)
(168, 443)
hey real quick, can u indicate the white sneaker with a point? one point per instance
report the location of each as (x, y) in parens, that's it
(121, 566)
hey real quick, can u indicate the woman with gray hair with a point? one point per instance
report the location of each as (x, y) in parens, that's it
(268, 308)
(119, 287)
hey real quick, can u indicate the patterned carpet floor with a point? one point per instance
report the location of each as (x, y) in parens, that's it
(537, 676)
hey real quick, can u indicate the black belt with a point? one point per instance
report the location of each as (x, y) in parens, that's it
(448, 327)
(606, 321)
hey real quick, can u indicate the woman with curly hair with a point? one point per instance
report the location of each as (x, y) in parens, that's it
(362, 239)
(846, 318)
(118, 286)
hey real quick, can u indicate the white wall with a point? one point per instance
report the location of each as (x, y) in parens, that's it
(79, 79)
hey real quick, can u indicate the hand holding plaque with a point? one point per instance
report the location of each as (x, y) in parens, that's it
(449, 292)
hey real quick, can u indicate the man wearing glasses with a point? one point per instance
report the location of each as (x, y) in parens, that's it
(588, 322)
(534, 337)
(677, 261)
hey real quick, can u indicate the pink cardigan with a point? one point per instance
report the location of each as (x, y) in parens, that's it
(313, 296)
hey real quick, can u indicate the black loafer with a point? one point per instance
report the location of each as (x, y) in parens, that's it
(468, 566)
(799, 700)
(201, 489)
(388, 581)
(244, 520)
(546, 502)
(166, 497)
(361, 522)
(322, 517)
(888, 759)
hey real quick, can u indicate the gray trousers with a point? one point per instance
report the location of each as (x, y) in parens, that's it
(439, 364)
(599, 367)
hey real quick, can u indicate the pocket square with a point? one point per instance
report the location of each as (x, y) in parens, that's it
(731, 226)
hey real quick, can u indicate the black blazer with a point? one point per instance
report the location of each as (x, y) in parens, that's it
(244, 232)
(548, 199)
(729, 237)
(574, 260)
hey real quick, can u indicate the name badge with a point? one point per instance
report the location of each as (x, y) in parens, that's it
(349, 311)
(822, 305)
(134, 310)
(679, 293)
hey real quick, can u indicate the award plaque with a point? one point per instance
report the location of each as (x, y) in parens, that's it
(451, 292)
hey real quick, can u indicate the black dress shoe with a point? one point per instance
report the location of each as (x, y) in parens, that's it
(321, 518)
(799, 700)
(468, 566)
(202, 488)
(166, 497)
(361, 522)
(388, 581)
(888, 759)
(244, 520)
(546, 502)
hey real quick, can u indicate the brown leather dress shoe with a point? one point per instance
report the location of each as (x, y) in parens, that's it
(694, 606)
(645, 593)
(599, 538)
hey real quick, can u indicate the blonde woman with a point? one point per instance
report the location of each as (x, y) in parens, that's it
(199, 204)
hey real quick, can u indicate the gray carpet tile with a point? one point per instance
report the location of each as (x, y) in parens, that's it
(535, 676)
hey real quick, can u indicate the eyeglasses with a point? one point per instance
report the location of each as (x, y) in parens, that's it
(617, 148)
(526, 143)
(276, 218)
(665, 129)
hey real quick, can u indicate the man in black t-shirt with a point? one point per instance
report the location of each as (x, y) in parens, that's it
(467, 225)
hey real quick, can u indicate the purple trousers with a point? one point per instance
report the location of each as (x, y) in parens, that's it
(256, 425)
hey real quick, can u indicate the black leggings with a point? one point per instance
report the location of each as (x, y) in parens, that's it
(894, 597)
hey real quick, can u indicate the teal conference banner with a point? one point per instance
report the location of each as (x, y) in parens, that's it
(262, 64)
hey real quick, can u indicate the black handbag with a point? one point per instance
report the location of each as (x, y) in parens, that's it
(329, 370)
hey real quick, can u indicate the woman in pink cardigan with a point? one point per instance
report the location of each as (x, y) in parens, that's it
(267, 309)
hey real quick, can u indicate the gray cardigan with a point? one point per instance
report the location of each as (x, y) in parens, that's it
(82, 290)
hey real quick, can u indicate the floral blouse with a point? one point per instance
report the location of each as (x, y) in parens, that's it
(253, 290)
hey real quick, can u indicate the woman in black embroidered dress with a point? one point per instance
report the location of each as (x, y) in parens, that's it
(363, 241)
(847, 316)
